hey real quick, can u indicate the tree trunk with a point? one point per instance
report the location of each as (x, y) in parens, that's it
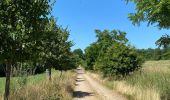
(12, 71)
(7, 84)
(34, 71)
(48, 72)
(61, 74)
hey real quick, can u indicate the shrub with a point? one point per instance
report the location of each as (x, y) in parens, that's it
(120, 61)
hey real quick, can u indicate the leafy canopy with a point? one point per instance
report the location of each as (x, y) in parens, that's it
(152, 11)
(164, 41)
(21, 24)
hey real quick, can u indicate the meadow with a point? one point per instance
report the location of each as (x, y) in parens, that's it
(152, 82)
(15, 81)
(38, 87)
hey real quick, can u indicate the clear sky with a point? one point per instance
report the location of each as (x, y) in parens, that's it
(84, 16)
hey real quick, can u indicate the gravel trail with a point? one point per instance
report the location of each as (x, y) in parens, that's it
(89, 89)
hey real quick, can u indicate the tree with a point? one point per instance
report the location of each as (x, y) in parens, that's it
(164, 41)
(21, 22)
(111, 54)
(56, 48)
(65, 59)
(91, 55)
(79, 52)
(116, 58)
(153, 11)
(79, 55)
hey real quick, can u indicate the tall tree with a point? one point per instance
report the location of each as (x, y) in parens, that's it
(56, 47)
(21, 22)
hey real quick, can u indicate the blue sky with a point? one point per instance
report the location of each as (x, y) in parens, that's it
(84, 16)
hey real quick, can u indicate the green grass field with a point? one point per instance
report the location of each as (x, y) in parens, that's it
(2, 82)
(15, 80)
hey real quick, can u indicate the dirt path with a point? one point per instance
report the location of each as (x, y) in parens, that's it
(89, 89)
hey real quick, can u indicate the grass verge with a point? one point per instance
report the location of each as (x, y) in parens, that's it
(152, 83)
(39, 88)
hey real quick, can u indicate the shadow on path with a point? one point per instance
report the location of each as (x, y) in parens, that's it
(80, 94)
(80, 80)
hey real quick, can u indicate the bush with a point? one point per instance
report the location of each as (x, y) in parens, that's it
(120, 61)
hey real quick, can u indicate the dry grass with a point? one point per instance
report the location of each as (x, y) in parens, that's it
(57, 89)
(131, 92)
(162, 66)
(1, 97)
(152, 83)
(136, 92)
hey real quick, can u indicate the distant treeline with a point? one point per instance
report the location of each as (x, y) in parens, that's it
(154, 54)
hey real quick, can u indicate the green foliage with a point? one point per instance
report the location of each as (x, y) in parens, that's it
(111, 55)
(28, 38)
(2, 70)
(164, 41)
(55, 46)
(153, 11)
(79, 55)
(120, 60)
(20, 26)
(79, 52)
(157, 54)
(150, 54)
(91, 55)
(154, 54)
